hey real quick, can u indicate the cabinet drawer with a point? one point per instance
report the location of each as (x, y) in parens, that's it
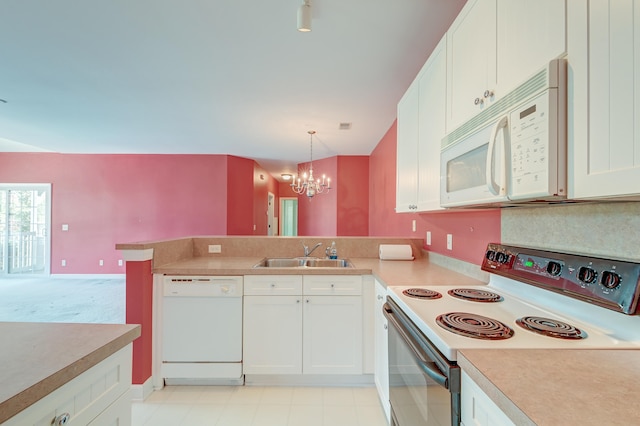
(261, 285)
(84, 397)
(334, 285)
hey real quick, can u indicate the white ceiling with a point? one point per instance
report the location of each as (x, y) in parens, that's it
(209, 76)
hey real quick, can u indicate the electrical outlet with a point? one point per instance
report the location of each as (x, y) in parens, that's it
(215, 248)
(101, 262)
(120, 262)
(428, 238)
(65, 227)
(63, 262)
(413, 225)
(449, 242)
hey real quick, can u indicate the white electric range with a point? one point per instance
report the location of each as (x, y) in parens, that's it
(534, 299)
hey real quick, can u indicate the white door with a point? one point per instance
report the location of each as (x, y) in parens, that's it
(25, 222)
(471, 61)
(332, 335)
(604, 136)
(272, 342)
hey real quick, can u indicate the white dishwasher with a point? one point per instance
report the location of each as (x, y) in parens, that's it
(201, 331)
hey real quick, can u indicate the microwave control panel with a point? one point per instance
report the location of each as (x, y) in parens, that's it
(531, 131)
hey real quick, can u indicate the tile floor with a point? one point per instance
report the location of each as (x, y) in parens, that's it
(260, 406)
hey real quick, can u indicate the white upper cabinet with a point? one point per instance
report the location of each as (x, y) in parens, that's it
(471, 61)
(604, 138)
(421, 126)
(493, 46)
(529, 35)
(407, 149)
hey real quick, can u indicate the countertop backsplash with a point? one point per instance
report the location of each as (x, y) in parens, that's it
(607, 230)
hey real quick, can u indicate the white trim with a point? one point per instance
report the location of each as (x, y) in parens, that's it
(86, 276)
(142, 392)
(137, 255)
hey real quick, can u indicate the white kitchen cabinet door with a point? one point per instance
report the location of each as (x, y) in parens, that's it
(477, 408)
(272, 337)
(407, 149)
(381, 353)
(432, 119)
(529, 35)
(471, 61)
(332, 335)
(604, 133)
(421, 127)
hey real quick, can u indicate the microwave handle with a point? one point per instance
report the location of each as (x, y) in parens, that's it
(493, 186)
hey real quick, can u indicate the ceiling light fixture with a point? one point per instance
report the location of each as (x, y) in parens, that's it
(286, 176)
(304, 17)
(309, 186)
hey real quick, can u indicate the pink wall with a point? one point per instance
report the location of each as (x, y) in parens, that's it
(471, 230)
(353, 196)
(109, 199)
(239, 201)
(317, 216)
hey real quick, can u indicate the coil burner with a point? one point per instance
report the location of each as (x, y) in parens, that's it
(475, 295)
(476, 326)
(551, 328)
(422, 293)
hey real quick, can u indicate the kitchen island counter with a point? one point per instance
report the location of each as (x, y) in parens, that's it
(38, 358)
(554, 387)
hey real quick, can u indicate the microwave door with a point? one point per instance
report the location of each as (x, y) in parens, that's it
(463, 167)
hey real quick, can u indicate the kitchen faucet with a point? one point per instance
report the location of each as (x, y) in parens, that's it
(308, 252)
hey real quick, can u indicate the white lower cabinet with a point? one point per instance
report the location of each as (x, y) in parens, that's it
(381, 350)
(316, 330)
(477, 408)
(99, 396)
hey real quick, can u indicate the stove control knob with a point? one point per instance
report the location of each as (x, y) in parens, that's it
(587, 275)
(502, 258)
(610, 279)
(491, 255)
(554, 268)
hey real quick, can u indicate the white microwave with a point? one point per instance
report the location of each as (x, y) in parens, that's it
(514, 151)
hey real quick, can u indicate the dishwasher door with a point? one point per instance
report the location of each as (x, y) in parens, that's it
(202, 327)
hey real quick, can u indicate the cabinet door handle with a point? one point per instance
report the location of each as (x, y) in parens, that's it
(379, 297)
(478, 101)
(307, 300)
(385, 326)
(488, 93)
(333, 285)
(297, 300)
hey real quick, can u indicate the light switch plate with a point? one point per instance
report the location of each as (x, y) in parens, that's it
(215, 248)
(428, 238)
(449, 242)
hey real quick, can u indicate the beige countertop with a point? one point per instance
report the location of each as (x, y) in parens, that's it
(390, 272)
(559, 387)
(38, 358)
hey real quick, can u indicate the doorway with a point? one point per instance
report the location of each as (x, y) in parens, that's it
(25, 221)
(272, 220)
(289, 216)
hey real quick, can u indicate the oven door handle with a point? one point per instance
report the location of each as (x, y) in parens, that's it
(428, 367)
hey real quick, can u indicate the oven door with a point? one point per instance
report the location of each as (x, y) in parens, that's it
(424, 387)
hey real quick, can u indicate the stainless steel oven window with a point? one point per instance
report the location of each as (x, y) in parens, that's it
(420, 393)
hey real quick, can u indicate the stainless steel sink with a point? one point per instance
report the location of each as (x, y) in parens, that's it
(302, 262)
(328, 263)
(280, 263)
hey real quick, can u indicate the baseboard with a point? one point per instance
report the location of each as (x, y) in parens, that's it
(142, 392)
(88, 276)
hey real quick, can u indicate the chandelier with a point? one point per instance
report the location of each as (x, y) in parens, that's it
(308, 185)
